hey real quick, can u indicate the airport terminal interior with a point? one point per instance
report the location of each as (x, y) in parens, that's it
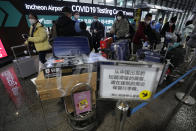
(98, 65)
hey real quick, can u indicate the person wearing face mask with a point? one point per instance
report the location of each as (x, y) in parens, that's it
(120, 28)
(143, 33)
(38, 36)
(169, 26)
(77, 22)
(65, 26)
(97, 29)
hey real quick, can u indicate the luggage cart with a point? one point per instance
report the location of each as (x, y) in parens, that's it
(24, 66)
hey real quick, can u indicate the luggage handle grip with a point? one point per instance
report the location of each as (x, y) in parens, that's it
(14, 47)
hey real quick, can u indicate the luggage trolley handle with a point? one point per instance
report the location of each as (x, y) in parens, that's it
(19, 46)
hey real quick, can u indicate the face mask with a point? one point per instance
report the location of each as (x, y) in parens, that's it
(32, 21)
(119, 17)
(77, 16)
(95, 19)
(148, 22)
(170, 24)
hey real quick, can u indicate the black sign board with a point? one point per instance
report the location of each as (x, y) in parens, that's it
(55, 8)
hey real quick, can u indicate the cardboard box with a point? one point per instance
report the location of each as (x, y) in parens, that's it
(47, 88)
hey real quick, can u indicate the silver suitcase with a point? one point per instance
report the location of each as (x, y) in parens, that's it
(24, 66)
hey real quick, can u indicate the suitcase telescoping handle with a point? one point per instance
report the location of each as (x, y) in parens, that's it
(19, 46)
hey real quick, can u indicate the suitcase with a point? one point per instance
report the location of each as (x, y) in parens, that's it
(147, 55)
(120, 50)
(104, 45)
(24, 66)
(69, 58)
(70, 46)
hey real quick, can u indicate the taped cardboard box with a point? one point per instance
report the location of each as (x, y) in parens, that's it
(47, 88)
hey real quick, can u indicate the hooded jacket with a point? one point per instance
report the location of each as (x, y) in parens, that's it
(40, 38)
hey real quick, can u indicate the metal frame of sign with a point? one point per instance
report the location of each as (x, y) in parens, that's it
(157, 66)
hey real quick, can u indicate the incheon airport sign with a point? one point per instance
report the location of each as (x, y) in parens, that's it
(84, 9)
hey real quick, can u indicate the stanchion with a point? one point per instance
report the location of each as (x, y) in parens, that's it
(186, 98)
(121, 110)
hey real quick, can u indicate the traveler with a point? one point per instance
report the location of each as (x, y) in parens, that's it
(159, 25)
(153, 24)
(76, 17)
(86, 33)
(120, 28)
(169, 26)
(97, 29)
(38, 36)
(65, 26)
(143, 32)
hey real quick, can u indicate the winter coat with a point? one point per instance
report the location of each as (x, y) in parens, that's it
(167, 28)
(188, 30)
(65, 26)
(121, 28)
(192, 41)
(96, 25)
(40, 38)
(140, 34)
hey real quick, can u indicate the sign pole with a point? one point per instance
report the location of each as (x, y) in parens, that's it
(121, 114)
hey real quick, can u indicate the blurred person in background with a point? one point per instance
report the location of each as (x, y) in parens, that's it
(76, 17)
(97, 29)
(159, 25)
(65, 26)
(153, 24)
(86, 33)
(120, 28)
(38, 36)
(169, 26)
(142, 33)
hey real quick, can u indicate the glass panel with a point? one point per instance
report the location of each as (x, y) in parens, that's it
(71, 0)
(146, 1)
(99, 2)
(129, 3)
(86, 1)
(109, 2)
(121, 3)
(138, 2)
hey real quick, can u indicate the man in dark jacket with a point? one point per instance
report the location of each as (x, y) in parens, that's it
(86, 33)
(97, 29)
(142, 33)
(65, 26)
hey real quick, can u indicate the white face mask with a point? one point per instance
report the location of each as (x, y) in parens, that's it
(119, 17)
(170, 24)
(32, 21)
(147, 22)
(95, 20)
(77, 16)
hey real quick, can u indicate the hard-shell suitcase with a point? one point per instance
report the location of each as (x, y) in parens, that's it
(148, 55)
(24, 66)
(120, 50)
(70, 46)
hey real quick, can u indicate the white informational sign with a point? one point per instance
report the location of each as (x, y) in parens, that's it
(128, 82)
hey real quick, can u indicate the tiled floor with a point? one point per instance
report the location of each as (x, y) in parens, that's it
(27, 113)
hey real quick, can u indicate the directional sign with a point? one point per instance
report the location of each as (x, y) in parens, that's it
(14, 15)
(145, 94)
(128, 82)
